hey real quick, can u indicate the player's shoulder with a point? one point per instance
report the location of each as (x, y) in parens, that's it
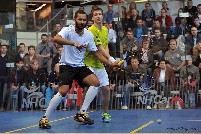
(69, 28)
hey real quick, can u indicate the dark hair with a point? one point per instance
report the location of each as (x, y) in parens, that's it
(4, 45)
(79, 12)
(59, 46)
(31, 47)
(43, 35)
(163, 59)
(198, 5)
(21, 44)
(97, 9)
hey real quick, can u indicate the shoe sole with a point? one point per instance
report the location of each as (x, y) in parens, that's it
(82, 122)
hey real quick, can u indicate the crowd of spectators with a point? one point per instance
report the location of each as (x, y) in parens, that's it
(151, 45)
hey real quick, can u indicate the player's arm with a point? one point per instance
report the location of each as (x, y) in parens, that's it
(61, 41)
(105, 53)
(103, 59)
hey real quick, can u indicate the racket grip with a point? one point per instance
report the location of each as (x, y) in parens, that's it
(120, 62)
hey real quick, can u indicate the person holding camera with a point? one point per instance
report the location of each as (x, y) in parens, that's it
(45, 50)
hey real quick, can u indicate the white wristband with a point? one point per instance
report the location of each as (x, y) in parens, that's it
(111, 59)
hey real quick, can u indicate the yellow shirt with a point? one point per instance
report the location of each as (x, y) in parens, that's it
(100, 38)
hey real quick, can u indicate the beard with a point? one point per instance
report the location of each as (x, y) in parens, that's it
(80, 26)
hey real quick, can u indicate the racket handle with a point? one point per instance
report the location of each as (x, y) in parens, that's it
(120, 62)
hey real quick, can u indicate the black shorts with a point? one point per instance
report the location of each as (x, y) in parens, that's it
(68, 73)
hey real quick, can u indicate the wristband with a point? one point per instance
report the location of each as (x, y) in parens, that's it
(111, 59)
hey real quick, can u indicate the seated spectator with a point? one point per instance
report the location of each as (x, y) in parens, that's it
(148, 15)
(177, 19)
(53, 87)
(197, 24)
(181, 29)
(198, 14)
(196, 56)
(29, 57)
(133, 68)
(165, 19)
(164, 78)
(36, 77)
(189, 77)
(132, 19)
(139, 30)
(131, 7)
(174, 57)
(159, 45)
(166, 8)
(146, 56)
(18, 82)
(57, 57)
(192, 39)
(110, 14)
(191, 10)
(157, 25)
(129, 44)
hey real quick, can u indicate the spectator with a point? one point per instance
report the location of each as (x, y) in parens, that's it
(21, 52)
(191, 10)
(45, 50)
(132, 68)
(165, 6)
(165, 19)
(146, 56)
(110, 14)
(139, 30)
(131, 7)
(5, 69)
(57, 29)
(148, 15)
(132, 19)
(159, 45)
(181, 29)
(189, 77)
(197, 24)
(157, 25)
(129, 44)
(198, 14)
(57, 57)
(53, 88)
(112, 36)
(196, 56)
(29, 57)
(192, 39)
(164, 78)
(36, 77)
(177, 19)
(91, 14)
(174, 56)
(18, 82)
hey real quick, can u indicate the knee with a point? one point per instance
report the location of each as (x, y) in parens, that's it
(63, 90)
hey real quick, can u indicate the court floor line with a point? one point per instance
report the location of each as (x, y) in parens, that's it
(36, 125)
(141, 127)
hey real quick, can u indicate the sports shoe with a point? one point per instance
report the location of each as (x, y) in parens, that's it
(84, 118)
(124, 107)
(106, 118)
(148, 107)
(44, 123)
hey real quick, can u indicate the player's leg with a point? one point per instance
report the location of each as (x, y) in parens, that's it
(92, 81)
(65, 79)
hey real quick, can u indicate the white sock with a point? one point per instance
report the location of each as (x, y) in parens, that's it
(53, 104)
(90, 95)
